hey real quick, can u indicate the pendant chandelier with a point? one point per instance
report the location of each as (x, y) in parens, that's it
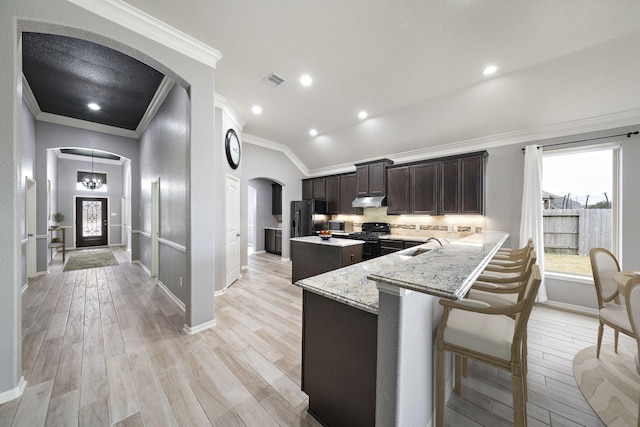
(92, 181)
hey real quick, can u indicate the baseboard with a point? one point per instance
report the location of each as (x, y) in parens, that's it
(144, 267)
(199, 328)
(244, 267)
(13, 393)
(24, 288)
(587, 311)
(173, 297)
(42, 273)
(285, 259)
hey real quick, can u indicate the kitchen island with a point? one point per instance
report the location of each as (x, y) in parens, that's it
(312, 255)
(368, 331)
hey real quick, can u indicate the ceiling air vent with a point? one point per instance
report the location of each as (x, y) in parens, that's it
(273, 80)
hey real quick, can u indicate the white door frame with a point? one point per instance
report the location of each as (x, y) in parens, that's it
(232, 235)
(155, 226)
(30, 214)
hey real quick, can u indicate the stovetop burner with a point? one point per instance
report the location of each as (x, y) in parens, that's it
(371, 231)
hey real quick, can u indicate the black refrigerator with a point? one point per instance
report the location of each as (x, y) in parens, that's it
(307, 217)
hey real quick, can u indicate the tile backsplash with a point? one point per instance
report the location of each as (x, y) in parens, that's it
(446, 226)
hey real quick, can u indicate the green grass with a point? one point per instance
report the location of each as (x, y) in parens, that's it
(563, 263)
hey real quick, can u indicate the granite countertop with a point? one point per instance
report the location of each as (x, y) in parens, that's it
(449, 271)
(273, 228)
(409, 238)
(445, 271)
(330, 242)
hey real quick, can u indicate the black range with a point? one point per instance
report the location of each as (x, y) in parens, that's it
(371, 233)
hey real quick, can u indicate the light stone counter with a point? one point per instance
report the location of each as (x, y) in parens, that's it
(444, 271)
(343, 243)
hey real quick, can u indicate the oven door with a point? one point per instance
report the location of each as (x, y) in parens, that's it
(370, 250)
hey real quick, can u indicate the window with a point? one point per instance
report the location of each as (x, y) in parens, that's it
(579, 192)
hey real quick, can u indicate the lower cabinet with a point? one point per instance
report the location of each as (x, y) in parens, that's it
(273, 241)
(389, 246)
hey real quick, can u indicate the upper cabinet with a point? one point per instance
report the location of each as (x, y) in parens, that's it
(453, 185)
(314, 188)
(371, 178)
(347, 194)
(332, 194)
(276, 199)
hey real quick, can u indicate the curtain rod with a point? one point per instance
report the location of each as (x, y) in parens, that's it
(628, 135)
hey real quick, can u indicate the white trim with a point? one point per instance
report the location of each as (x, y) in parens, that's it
(199, 328)
(140, 22)
(285, 259)
(115, 225)
(161, 94)
(144, 267)
(29, 98)
(391, 289)
(24, 241)
(261, 142)
(82, 124)
(172, 244)
(79, 158)
(244, 267)
(173, 297)
(14, 392)
(222, 102)
(567, 277)
(42, 236)
(143, 233)
(563, 306)
(24, 288)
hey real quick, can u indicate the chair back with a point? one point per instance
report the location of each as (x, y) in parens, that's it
(633, 310)
(528, 300)
(603, 265)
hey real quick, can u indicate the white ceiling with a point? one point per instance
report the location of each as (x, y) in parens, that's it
(416, 67)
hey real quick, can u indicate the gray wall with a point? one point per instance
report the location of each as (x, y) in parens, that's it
(264, 218)
(260, 162)
(163, 155)
(67, 193)
(28, 160)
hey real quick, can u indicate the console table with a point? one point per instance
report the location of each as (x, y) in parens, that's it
(56, 242)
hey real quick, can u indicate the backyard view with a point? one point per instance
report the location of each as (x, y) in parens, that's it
(577, 216)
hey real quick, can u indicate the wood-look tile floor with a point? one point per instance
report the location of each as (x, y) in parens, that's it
(105, 346)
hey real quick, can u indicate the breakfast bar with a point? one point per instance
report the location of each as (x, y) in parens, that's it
(368, 331)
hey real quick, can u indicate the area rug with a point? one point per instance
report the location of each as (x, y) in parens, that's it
(90, 258)
(610, 384)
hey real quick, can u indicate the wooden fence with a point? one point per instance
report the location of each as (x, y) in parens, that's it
(576, 231)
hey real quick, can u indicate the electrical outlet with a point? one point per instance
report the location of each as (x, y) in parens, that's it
(455, 228)
(417, 227)
(473, 230)
(181, 282)
(449, 228)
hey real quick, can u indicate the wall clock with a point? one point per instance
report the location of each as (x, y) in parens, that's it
(232, 148)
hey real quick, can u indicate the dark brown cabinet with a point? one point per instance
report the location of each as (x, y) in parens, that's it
(319, 188)
(398, 186)
(332, 194)
(273, 241)
(347, 194)
(452, 185)
(276, 199)
(389, 246)
(423, 187)
(307, 189)
(371, 178)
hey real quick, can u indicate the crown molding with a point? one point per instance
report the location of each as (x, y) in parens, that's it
(29, 98)
(142, 23)
(96, 127)
(222, 102)
(161, 94)
(265, 143)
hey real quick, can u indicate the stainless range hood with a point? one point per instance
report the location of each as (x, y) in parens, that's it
(368, 202)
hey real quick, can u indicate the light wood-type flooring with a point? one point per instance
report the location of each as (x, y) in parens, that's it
(105, 347)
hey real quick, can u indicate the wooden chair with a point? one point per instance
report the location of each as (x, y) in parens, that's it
(493, 335)
(632, 297)
(610, 311)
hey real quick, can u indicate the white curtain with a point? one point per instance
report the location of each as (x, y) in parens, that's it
(531, 219)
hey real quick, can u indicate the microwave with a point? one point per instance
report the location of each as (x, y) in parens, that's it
(341, 226)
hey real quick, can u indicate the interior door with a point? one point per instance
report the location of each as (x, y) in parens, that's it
(232, 220)
(91, 222)
(31, 228)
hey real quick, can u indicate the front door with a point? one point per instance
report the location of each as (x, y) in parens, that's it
(91, 222)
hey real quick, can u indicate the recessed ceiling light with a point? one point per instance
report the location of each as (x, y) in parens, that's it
(490, 70)
(313, 132)
(93, 106)
(362, 114)
(256, 109)
(306, 80)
